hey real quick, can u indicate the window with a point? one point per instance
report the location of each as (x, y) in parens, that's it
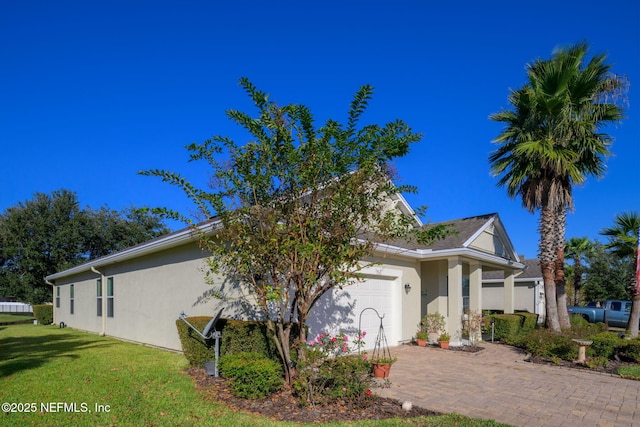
(71, 298)
(110, 297)
(99, 297)
(57, 296)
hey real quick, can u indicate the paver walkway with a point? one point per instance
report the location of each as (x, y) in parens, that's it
(498, 384)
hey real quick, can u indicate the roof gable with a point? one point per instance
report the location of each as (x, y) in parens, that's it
(484, 233)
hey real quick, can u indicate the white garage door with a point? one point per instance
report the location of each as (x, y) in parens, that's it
(342, 309)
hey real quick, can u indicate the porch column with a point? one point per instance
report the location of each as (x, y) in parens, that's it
(475, 287)
(509, 291)
(475, 301)
(454, 318)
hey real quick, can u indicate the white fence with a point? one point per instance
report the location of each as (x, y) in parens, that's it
(15, 307)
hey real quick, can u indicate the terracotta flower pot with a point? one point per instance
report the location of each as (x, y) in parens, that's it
(421, 343)
(381, 370)
(444, 344)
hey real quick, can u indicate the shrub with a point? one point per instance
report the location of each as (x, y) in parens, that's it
(330, 372)
(252, 375)
(529, 320)
(605, 344)
(548, 344)
(630, 349)
(507, 326)
(43, 314)
(196, 349)
(247, 337)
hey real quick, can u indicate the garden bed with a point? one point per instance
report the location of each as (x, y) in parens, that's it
(283, 406)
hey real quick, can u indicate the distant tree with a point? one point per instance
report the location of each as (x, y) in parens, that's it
(50, 232)
(605, 275)
(552, 141)
(623, 244)
(300, 208)
(576, 250)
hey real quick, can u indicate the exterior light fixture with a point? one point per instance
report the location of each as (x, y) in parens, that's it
(407, 287)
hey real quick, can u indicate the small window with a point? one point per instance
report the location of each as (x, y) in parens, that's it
(57, 296)
(99, 297)
(110, 297)
(71, 299)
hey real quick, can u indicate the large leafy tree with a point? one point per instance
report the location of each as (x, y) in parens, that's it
(623, 244)
(50, 232)
(605, 275)
(298, 208)
(552, 140)
(577, 249)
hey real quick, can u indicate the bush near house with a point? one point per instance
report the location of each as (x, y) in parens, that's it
(243, 336)
(43, 314)
(196, 349)
(506, 326)
(253, 375)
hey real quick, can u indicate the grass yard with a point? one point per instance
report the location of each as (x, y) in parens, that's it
(15, 317)
(103, 381)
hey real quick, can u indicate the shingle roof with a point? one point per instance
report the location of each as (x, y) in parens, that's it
(465, 228)
(531, 272)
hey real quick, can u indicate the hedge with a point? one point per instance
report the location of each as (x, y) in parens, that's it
(507, 325)
(253, 375)
(529, 321)
(43, 314)
(196, 349)
(242, 336)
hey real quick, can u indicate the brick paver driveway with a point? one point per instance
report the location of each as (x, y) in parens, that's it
(498, 384)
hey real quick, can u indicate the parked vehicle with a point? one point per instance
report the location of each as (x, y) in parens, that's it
(614, 313)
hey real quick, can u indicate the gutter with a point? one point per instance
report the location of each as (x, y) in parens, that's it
(103, 282)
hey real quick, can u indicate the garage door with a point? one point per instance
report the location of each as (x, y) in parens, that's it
(342, 309)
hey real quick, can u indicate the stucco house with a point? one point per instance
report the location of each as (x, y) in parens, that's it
(137, 294)
(528, 289)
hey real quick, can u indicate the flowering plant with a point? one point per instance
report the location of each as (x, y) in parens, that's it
(330, 370)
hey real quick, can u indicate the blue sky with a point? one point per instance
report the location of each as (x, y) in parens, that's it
(92, 92)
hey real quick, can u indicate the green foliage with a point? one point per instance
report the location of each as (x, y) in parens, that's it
(605, 344)
(529, 320)
(432, 322)
(630, 349)
(331, 372)
(196, 349)
(507, 326)
(50, 233)
(606, 275)
(630, 372)
(43, 313)
(293, 204)
(253, 375)
(242, 336)
(549, 344)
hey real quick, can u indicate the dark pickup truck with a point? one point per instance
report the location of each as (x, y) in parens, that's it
(615, 313)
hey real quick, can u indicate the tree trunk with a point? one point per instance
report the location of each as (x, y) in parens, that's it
(561, 294)
(634, 318)
(547, 257)
(553, 322)
(559, 225)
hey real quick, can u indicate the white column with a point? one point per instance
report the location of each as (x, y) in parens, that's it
(454, 318)
(509, 291)
(475, 287)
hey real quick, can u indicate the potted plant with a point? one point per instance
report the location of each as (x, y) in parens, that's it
(433, 325)
(421, 338)
(444, 339)
(382, 366)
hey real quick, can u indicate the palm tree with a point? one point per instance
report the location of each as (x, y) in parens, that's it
(552, 141)
(577, 249)
(623, 243)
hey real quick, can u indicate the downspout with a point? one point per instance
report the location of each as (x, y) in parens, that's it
(103, 281)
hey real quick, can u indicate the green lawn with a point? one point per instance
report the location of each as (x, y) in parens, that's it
(15, 317)
(42, 368)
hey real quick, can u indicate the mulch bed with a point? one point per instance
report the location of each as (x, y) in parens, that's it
(283, 406)
(611, 368)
